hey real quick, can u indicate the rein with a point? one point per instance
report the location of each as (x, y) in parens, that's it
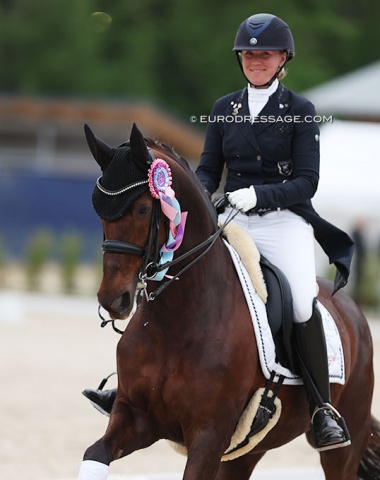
(206, 243)
(150, 266)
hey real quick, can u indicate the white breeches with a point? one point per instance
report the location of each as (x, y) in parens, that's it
(287, 241)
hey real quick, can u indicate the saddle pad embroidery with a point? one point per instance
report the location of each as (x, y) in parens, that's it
(264, 339)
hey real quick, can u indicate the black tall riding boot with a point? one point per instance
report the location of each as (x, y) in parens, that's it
(327, 425)
(102, 400)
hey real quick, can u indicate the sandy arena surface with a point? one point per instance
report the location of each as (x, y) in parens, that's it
(51, 347)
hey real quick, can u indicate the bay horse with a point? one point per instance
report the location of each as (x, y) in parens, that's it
(187, 361)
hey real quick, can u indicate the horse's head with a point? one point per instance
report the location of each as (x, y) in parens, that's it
(122, 200)
(141, 217)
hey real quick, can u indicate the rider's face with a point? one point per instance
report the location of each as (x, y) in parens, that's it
(260, 66)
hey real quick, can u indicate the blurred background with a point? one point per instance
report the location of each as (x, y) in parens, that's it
(158, 63)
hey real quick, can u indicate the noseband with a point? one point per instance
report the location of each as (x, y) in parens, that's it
(115, 246)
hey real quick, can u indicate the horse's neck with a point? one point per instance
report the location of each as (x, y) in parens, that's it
(201, 221)
(203, 271)
(201, 224)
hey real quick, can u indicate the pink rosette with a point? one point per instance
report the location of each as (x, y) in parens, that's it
(159, 177)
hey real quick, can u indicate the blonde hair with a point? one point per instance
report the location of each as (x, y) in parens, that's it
(282, 73)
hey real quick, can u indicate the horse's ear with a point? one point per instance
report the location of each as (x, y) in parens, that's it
(99, 149)
(139, 150)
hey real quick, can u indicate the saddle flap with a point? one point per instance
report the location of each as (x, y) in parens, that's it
(279, 308)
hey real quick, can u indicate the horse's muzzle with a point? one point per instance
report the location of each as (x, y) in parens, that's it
(118, 307)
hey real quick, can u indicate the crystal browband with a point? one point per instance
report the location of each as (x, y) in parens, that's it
(122, 190)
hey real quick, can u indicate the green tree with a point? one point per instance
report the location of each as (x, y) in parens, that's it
(177, 53)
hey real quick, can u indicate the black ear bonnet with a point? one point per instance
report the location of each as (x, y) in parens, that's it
(124, 178)
(120, 173)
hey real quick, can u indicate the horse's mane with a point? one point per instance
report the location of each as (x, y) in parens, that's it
(168, 150)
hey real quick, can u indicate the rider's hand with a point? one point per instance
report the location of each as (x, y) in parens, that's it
(243, 199)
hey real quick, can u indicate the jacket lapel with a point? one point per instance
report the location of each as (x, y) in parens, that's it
(277, 106)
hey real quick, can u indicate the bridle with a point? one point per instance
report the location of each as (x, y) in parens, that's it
(150, 269)
(151, 265)
(151, 253)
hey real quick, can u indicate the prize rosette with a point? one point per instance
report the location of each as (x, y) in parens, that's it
(159, 177)
(159, 181)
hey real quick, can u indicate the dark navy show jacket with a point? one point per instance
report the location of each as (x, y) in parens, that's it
(278, 153)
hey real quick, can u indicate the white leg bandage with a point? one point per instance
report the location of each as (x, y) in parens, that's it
(91, 470)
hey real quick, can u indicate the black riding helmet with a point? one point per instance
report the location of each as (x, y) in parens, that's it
(264, 31)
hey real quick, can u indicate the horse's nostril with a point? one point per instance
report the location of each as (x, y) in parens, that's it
(121, 303)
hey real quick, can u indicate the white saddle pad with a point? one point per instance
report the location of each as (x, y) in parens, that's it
(265, 343)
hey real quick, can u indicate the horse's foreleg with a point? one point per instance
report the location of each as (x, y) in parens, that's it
(241, 468)
(203, 458)
(124, 435)
(202, 464)
(96, 460)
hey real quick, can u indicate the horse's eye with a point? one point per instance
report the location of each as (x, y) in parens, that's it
(144, 209)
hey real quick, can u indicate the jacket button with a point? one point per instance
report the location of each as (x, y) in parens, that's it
(238, 174)
(258, 157)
